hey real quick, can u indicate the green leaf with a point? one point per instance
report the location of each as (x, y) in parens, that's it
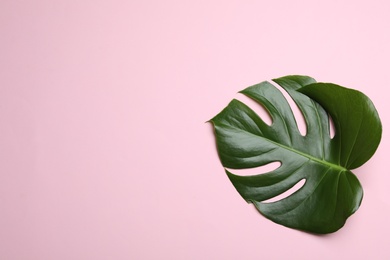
(331, 192)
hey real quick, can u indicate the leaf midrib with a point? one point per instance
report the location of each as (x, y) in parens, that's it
(332, 165)
(329, 164)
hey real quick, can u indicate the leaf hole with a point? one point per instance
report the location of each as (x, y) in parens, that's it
(299, 118)
(258, 108)
(256, 170)
(287, 193)
(332, 130)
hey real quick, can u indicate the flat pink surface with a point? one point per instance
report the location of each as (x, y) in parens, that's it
(104, 153)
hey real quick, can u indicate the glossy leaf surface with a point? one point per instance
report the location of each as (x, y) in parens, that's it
(331, 192)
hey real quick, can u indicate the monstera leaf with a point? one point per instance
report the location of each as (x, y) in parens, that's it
(331, 192)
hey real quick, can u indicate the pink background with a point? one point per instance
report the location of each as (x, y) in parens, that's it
(104, 153)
